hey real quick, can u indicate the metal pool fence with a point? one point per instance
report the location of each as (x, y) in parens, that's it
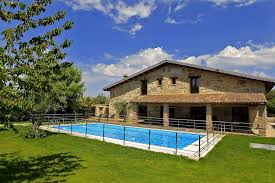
(223, 127)
(198, 148)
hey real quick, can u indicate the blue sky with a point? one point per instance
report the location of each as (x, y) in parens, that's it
(116, 37)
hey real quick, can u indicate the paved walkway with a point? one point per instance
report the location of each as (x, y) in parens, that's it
(262, 146)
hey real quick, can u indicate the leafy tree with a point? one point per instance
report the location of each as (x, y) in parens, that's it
(86, 105)
(67, 89)
(122, 108)
(86, 102)
(271, 102)
(35, 78)
(100, 99)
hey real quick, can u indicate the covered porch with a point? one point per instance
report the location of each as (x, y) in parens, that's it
(233, 113)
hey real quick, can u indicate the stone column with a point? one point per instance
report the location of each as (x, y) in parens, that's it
(262, 119)
(133, 113)
(166, 115)
(209, 122)
(253, 119)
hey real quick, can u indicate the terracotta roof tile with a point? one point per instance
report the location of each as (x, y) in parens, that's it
(230, 98)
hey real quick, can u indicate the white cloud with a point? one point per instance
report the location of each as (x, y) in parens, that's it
(100, 75)
(137, 27)
(142, 9)
(257, 60)
(132, 30)
(133, 63)
(238, 3)
(195, 20)
(123, 12)
(175, 5)
(118, 10)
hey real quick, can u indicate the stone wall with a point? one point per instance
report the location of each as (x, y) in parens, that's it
(210, 82)
(270, 127)
(101, 109)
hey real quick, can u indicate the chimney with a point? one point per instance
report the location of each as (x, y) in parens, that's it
(125, 76)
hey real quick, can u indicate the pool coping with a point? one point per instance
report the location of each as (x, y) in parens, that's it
(188, 151)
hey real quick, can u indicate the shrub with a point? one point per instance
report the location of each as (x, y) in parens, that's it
(271, 102)
(32, 134)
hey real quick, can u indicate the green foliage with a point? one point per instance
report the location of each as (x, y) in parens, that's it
(33, 75)
(100, 99)
(122, 107)
(87, 104)
(271, 102)
(39, 134)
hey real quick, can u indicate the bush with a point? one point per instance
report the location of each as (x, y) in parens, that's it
(271, 102)
(39, 134)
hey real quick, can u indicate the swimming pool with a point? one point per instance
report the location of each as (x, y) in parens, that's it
(155, 137)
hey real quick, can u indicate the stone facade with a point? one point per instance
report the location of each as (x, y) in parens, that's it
(210, 83)
(101, 109)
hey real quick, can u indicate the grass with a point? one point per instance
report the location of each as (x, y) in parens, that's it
(64, 158)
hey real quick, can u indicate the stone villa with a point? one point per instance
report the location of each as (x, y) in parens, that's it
(173, 91)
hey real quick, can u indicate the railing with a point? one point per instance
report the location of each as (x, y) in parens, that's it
(220, 126)
(150, 138)
(270, 115)
(237, 127)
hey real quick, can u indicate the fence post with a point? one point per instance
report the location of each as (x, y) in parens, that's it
(58, 125)
(213, 136)
(149, 140)
(207, 139)
(48, 121)
(124, 137)
(176, 142)
(86, 129)
(103, 132)
(63, 119)
(71, 127)
(199, 146)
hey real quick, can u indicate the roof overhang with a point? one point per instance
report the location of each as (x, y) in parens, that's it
(223, 98)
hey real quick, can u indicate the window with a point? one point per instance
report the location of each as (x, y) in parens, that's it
(159, 82)
(142, 110)
(194, 84)
(143, 87)
(173, 80)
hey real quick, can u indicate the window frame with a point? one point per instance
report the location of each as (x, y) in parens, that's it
(196, 89)
(143, 91)
(159, 80)
(173, 79)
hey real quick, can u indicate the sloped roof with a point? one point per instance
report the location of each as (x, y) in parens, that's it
(222, 98)
(237, 74)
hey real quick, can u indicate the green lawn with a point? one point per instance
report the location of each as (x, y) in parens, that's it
(61, 157)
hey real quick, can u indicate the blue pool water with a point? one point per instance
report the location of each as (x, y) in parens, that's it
(161, 138)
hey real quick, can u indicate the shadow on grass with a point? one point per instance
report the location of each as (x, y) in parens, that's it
(51, 168)
(3, 129)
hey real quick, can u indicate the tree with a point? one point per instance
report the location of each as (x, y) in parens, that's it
(35, 78)
(122, 108)
(271, 102)
(67, 90)
(100, 99)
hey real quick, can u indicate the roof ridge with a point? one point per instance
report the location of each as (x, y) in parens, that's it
(206, 68)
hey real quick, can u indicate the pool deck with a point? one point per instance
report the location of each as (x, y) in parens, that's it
(191, 151)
